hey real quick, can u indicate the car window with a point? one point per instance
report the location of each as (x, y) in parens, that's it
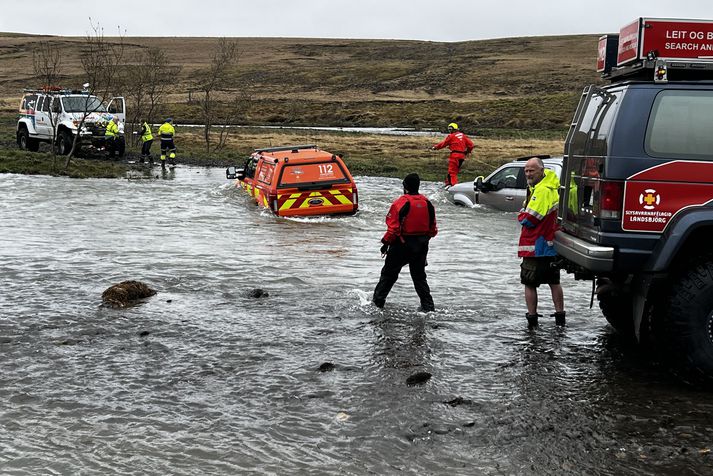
(265, 173)
(681, 125)
(29, 102)
(314, 173)
(40, 102)
(506, 178)
(592, 133)
(250, 167)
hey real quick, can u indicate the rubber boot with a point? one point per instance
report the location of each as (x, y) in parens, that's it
(531, 320)
(559, 318)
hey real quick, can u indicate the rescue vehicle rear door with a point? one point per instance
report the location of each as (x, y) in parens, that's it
(43, 122)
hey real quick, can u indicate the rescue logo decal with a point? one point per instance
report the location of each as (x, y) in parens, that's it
(654, 196)
(649, 199)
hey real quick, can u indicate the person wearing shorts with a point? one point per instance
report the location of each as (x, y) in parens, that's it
(539, 223)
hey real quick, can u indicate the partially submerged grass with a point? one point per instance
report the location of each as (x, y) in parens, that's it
(365, 154)
(39, 163)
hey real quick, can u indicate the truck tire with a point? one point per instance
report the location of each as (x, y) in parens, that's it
(25, 142)
(689, 322)
(64, 143)
(615, 302)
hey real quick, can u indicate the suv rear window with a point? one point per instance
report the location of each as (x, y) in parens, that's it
(592, 133)
(315, 173)
(681, 125)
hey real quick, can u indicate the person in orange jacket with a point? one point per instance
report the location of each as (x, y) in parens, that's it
(460, 146)
(410, 225)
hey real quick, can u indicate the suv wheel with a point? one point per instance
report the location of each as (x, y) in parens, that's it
(689, 322)
(616, 303)
(64, 143)
(25, 142)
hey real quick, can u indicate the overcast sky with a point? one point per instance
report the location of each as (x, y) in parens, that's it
(386, 19)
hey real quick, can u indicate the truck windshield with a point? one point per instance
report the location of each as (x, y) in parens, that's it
(83, 104)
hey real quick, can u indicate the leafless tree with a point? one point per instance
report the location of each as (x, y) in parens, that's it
(47, 66)
(209, 82)
(101, 62)
(146, 83)
(236, 109)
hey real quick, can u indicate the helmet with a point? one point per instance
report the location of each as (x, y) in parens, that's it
(109, 117)
(453, 125)
(169, 120)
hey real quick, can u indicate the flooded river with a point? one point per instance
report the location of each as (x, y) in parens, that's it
(205, 379)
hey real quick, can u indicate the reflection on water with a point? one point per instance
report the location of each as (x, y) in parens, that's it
(205, 379)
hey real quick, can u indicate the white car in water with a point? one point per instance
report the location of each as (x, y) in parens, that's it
(505, 189)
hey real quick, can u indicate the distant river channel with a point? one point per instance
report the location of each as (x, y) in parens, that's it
(204, 378)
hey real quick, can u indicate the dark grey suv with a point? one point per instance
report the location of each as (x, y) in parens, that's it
(636, 208)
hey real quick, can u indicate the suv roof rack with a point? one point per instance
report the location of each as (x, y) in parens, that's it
(288, 147)
(663, 70)
(658, 50)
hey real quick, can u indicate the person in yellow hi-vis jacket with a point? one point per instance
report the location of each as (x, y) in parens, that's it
(536, 247)
(146, 141)
(111, 134)
(166, 133)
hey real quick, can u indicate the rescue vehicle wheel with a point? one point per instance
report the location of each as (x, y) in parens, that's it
(26, 142)
(689, 323)
(615, 302)
(64, 143)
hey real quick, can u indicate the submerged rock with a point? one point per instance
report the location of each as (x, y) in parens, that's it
(458, 401)
(258, 293)
(326, 367)
(125, 293)
(418, 378)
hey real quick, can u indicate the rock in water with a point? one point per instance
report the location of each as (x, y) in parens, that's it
(418, 378)
(326, 367)
(125, 293)
(258, 293)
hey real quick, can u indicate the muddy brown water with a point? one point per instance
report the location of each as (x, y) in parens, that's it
(206, 378)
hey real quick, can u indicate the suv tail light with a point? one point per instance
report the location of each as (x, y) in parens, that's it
(611, 199)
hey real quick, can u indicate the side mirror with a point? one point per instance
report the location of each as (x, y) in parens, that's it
(478, 184)
(232, 173)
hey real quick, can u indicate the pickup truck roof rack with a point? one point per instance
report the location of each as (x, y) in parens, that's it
(287, 147)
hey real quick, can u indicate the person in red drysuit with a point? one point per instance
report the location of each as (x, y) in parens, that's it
(410, 224)
(460, 145)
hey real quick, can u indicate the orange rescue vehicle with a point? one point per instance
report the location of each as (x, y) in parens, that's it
(299, 180)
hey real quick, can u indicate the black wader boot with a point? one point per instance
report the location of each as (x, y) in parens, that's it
(560, 318)
(531, 320)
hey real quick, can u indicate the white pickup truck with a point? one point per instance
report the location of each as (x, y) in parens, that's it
(44, 109)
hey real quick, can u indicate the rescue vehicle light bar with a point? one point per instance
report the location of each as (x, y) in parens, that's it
(289, 147)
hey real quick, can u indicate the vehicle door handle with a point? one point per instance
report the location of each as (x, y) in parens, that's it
(509, 199)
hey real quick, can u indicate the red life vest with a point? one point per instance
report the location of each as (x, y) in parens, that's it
(417, 221)
(409, 215)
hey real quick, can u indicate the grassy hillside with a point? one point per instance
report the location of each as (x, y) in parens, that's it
(516, 94)
(509, 83)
